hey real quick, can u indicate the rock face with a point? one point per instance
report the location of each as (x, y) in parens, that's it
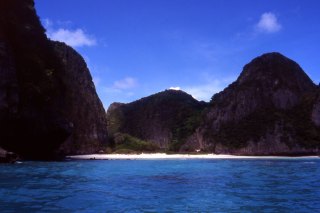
(266, 111)
(49, 106)
(37, 101)
(269, 81)
(165, 118)
(84, 108)
(316, 112)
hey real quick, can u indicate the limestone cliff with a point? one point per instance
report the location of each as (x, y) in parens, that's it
(49, 106)
(269, 81)
(83, 107)
(315, 116)
(266, 111)
(38, 109)
(273, 108)
(166, 118)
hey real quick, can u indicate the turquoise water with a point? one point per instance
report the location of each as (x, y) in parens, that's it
(162, 186)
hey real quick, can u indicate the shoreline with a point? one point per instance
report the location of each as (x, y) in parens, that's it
(164, 156)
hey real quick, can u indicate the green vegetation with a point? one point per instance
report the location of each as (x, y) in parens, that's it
(127, 143)
(125, 151)
(114, 120)
(185, 129)
(173, 115)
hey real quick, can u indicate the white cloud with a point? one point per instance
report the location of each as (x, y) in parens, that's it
(211, 86)
(206, 91)
(74, 38)
(47, 23)
(126, 83)
(175, 88)
(268, 23)
(111, 90)
(59, 31)
(96, 81)
(120, 91)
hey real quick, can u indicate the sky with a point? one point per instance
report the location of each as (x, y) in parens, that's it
(135, 48)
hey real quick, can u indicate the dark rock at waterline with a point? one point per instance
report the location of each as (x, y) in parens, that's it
(7, 157)
(32, 122)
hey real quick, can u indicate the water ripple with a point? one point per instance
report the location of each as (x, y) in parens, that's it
(161, 186)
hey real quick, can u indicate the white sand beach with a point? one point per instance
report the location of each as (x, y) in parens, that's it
(163, 156)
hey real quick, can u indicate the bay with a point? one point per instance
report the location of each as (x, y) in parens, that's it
(215, 185)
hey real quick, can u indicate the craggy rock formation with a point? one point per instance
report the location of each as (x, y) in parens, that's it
(115, 118)
(273, 108)
(49, 107)
(32, 95)
(166, 118)
(38, 108)
(269, 81)
(316, 112)
(83, 106)
(266, 111)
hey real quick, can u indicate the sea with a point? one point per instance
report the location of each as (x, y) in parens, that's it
(211, 185)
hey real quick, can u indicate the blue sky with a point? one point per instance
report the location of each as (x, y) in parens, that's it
(135, 48)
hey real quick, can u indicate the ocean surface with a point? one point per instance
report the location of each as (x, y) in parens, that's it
(237, 185)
